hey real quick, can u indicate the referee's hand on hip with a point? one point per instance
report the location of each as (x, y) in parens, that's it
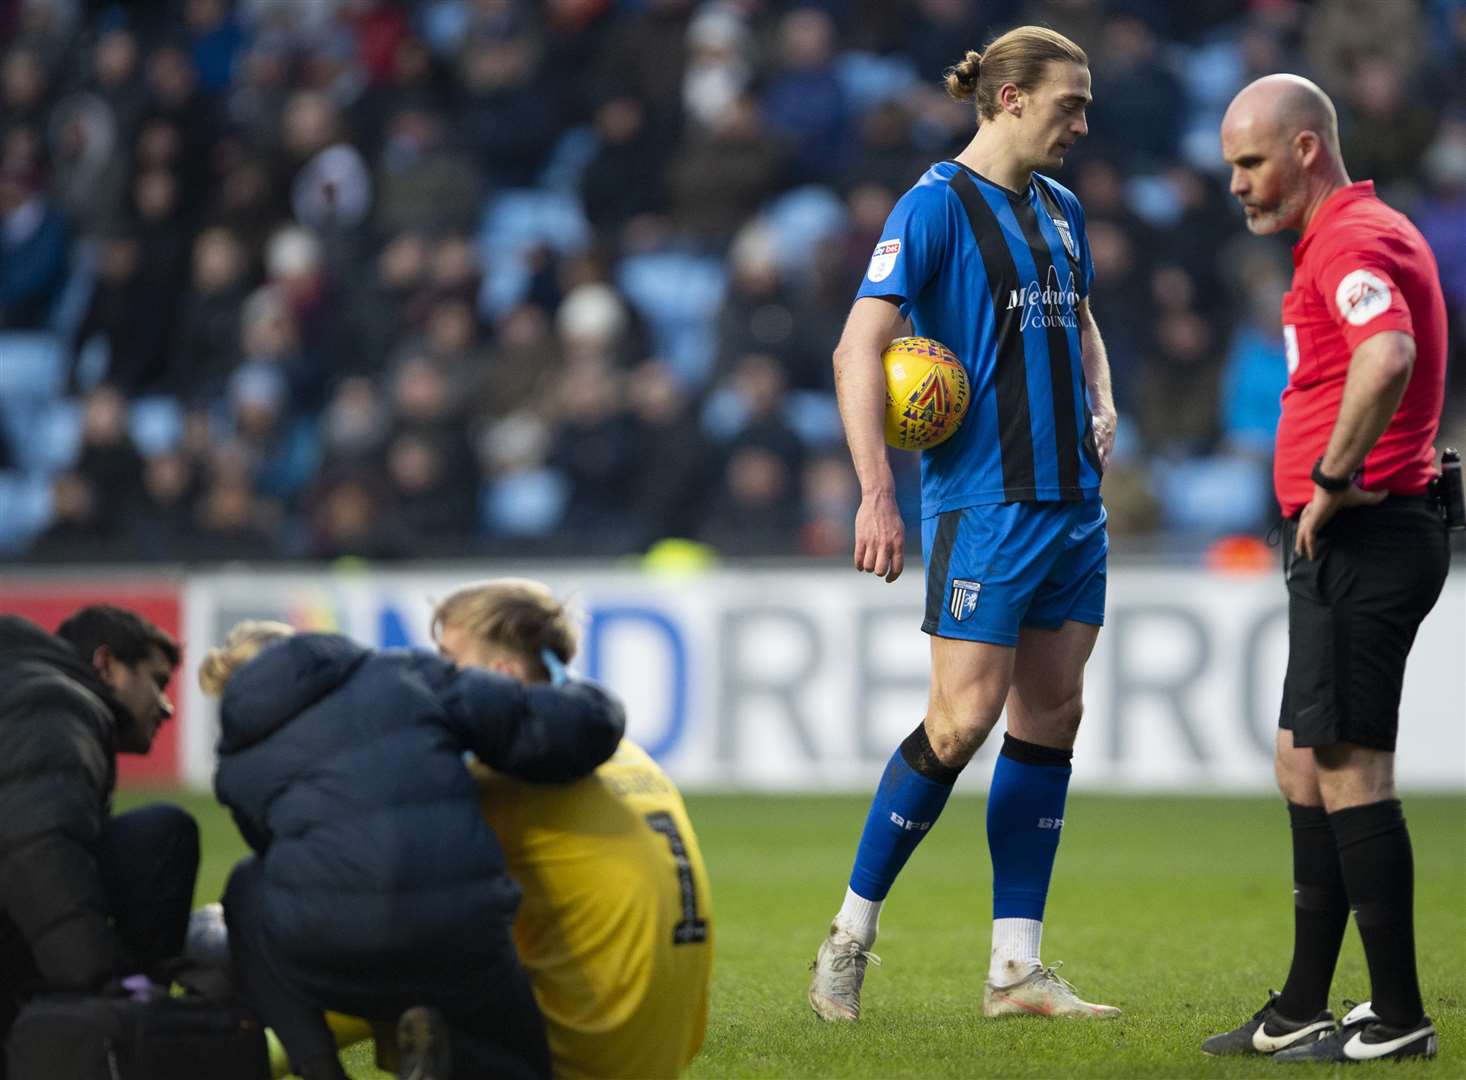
(1321, 510)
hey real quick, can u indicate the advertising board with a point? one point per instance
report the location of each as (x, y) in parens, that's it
(804, 680)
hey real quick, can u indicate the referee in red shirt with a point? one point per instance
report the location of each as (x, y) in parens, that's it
(1365, 557)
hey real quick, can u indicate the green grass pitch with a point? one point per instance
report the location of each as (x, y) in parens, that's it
(1176, 909)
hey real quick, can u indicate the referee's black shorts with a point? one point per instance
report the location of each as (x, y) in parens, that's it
(1352, 616)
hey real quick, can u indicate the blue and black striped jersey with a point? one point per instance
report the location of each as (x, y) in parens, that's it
(997, 277)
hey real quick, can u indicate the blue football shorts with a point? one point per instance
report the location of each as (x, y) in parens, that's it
(993, 569)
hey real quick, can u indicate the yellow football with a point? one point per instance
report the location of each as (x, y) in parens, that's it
(926, 393)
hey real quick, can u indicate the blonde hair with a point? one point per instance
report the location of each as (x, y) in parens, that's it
(517, 615)
(1017, 57)
(241, 646)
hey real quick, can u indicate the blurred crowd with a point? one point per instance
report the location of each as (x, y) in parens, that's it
(324, 278)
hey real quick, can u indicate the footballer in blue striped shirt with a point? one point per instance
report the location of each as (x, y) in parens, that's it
(988, 255)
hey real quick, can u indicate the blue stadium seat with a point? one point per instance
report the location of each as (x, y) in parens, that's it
(799, 221)
(679, 296)
(443, 25)
(723, 414)
(93, 359)
(47, 436)
(869, 80)
(156, 424)
(815, 417)
(529, 502)
(513, 223)
(25, 509)
(71, 305)
(10, 482)
(572, 153)
(32, 365)
(1212, 495)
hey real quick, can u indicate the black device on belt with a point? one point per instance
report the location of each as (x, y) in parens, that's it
(1448, 490)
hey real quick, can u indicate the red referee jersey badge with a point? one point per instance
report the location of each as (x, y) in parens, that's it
(963, 601)
(1361, 296)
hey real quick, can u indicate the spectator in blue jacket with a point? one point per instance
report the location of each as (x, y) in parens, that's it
(375, 887)
(33, 246)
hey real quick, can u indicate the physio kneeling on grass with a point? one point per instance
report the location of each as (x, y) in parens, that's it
(375, 888)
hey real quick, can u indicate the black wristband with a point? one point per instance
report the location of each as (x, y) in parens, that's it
(1330, 483)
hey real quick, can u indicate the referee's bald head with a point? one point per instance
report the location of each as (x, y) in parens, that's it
(1281, 107)
(1281, 137)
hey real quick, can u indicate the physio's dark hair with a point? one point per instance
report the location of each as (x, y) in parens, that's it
(130, 637)
(1017, 57)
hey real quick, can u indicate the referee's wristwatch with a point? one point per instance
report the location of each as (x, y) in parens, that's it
(1327, 482)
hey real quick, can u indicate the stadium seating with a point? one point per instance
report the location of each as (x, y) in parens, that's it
(156, 424)
(679, 296)
(25, 508)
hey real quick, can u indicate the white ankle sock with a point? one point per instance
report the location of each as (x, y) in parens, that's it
(859, 917)
(1015, 950)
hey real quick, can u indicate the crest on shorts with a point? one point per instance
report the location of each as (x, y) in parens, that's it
(963, 601)
(1062, 224)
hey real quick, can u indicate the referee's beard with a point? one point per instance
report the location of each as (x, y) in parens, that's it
(1284, 213)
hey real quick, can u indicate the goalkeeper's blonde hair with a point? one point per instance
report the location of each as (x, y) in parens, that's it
(516, 615)
(241, 646)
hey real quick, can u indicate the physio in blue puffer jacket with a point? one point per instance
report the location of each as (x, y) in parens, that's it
(375, 885)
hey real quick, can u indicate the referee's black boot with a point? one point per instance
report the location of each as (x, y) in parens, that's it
(1363, 1037)
(1269, 1033)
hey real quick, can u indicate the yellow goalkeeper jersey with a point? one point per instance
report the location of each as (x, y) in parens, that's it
(616, 926)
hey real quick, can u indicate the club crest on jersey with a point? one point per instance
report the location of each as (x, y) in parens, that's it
(1062, 224)
(963, 601)
(883, 260)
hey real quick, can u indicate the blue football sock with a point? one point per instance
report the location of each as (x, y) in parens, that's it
(1025, 817)
(906, 805)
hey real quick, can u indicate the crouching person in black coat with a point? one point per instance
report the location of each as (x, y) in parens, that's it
(85, 897)
(376, 886)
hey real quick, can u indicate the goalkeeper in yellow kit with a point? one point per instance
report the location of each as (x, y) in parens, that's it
(615, 928)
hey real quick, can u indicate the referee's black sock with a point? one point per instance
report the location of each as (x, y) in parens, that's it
(1320, 914)
(1379, 872)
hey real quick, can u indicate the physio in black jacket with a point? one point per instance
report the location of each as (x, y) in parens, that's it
(85, 897)
(376, 886)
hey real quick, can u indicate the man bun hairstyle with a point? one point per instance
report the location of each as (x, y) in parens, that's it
(1020, 57)
(242, 645)
(962, 77)
(129, 636)
(515, 615)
